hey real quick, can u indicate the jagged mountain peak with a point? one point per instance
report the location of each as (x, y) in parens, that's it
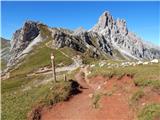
(121, 20)
(79, 31)
(108, 25)
(103, 39)
(117, 33)
(105, 15)
(122, 26)
(22, 38)
(105, 21)
(30, 22)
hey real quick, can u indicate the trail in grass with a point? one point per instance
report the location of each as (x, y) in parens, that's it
(113, 102)
(77, 62)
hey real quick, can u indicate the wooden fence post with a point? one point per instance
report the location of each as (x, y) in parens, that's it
(53, 67)
(65, 78)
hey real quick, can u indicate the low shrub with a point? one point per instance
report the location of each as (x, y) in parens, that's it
(150, 112)
(137, 96)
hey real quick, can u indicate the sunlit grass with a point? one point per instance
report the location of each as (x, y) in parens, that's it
(150, 112)
(144, 75)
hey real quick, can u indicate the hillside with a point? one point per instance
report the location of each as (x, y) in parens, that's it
(108, 39)
(5, 48)
(5, 43)
(105, 73)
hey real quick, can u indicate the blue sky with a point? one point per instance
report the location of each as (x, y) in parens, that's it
(142, 17)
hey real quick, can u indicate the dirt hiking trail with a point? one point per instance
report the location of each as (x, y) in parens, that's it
(112, 104)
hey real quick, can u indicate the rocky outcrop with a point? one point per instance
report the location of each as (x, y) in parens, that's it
(82, 41)
(62, 39)
(21, 39)
(79, 31)
(5, 54)
(5, 48)
(109, 37)
(4, 43)
(116, 32)
(105, 22)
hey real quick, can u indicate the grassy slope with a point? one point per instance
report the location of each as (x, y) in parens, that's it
(16, 103)
(12, 94)
(145, 75)
(40, 57)
(3, 64)
(150, 112)
(23, 101)
(4, 44)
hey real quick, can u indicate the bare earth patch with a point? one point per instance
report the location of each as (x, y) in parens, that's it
(113, 103)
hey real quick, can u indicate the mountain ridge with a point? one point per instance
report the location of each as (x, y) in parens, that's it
(5, 48)
(104, 39)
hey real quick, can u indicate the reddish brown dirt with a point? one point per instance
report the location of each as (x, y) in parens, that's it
(150, 97)
(80, 78)
(114, 105)
(76, 108)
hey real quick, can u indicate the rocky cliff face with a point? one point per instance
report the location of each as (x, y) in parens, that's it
(5, 48)
(116, 32)
(82, 41)
(5, 54)
(21, 39)
(106, 37)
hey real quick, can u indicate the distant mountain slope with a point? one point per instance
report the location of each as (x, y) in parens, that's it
(116, 32)
(5, 48)
(108, 39)
(4, 42)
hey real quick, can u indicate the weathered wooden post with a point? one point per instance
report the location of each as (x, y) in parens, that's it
(53, 67)
(65, 78)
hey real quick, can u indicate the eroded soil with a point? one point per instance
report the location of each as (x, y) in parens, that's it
(114, 102)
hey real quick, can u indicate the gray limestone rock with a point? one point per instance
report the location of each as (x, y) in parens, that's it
(108, 37)
(21, 39)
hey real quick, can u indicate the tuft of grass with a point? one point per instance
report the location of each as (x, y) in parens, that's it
(70, 52)
(144, 75)
(95, 99)
(3, 64)
(147, 82)
(44, 30)
(12, 84)
(18, 82)
(137, 96)
(150, 112)
(60, 91)
(111, 92)
(16, 104)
